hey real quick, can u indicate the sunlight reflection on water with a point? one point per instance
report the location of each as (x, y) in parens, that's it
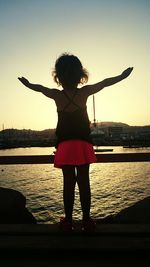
(114, 186)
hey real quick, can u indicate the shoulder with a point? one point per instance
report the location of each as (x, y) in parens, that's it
(51, 93)
(56, 92)
(85, 90)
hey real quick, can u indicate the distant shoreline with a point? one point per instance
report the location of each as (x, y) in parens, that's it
(110, 134)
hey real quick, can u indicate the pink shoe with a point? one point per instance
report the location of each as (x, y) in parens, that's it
(65, 225)
(88, 225)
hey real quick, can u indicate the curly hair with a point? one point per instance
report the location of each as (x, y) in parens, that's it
(69, 71)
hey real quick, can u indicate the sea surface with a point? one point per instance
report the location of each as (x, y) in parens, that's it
(114, 186)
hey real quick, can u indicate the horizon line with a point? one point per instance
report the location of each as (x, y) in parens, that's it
(3, 128)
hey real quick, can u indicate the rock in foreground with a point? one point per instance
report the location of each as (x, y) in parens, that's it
(137, 213)
(13, 208)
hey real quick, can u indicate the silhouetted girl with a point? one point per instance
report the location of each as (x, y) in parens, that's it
(74, 145)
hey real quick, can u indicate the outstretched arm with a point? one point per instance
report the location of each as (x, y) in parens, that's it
(92, 89)
(39, 88)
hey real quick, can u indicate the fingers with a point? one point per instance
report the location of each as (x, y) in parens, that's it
(127, 72)
(22, 79)
(131, 68)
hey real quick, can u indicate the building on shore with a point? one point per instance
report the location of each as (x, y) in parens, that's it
(102, 134)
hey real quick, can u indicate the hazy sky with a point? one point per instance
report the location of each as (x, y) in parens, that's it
(108, 36)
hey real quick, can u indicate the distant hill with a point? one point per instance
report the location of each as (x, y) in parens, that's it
(51, 132)
(26, 132)
(12, 138)
(112, 124)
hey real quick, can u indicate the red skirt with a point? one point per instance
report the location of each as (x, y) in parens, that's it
(74, 152)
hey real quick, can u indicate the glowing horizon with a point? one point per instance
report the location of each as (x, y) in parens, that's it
(107, 36)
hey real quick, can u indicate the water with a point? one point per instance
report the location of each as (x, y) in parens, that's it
(114, 186)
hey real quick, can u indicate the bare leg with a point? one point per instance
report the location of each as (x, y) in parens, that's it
(69, 190)
(84, 189)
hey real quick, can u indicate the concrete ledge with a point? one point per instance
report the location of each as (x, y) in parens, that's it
(44, 245)
(53, 229)
(46, 238)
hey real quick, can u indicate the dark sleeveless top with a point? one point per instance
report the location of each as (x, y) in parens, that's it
(73, 125)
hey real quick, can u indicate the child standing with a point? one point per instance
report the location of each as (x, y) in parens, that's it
(74, 145)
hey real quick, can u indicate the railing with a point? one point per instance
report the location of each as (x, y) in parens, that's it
(49, 159)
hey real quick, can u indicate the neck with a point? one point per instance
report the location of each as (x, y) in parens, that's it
(69, 88)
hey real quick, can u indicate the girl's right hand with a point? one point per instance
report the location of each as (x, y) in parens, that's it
(24, 81)
(126, 73)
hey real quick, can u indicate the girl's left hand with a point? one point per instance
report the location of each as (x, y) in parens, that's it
(23, 80)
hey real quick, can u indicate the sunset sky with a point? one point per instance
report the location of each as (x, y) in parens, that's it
(108, 36)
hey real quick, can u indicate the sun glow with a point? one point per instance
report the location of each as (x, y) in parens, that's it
(34, 34)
